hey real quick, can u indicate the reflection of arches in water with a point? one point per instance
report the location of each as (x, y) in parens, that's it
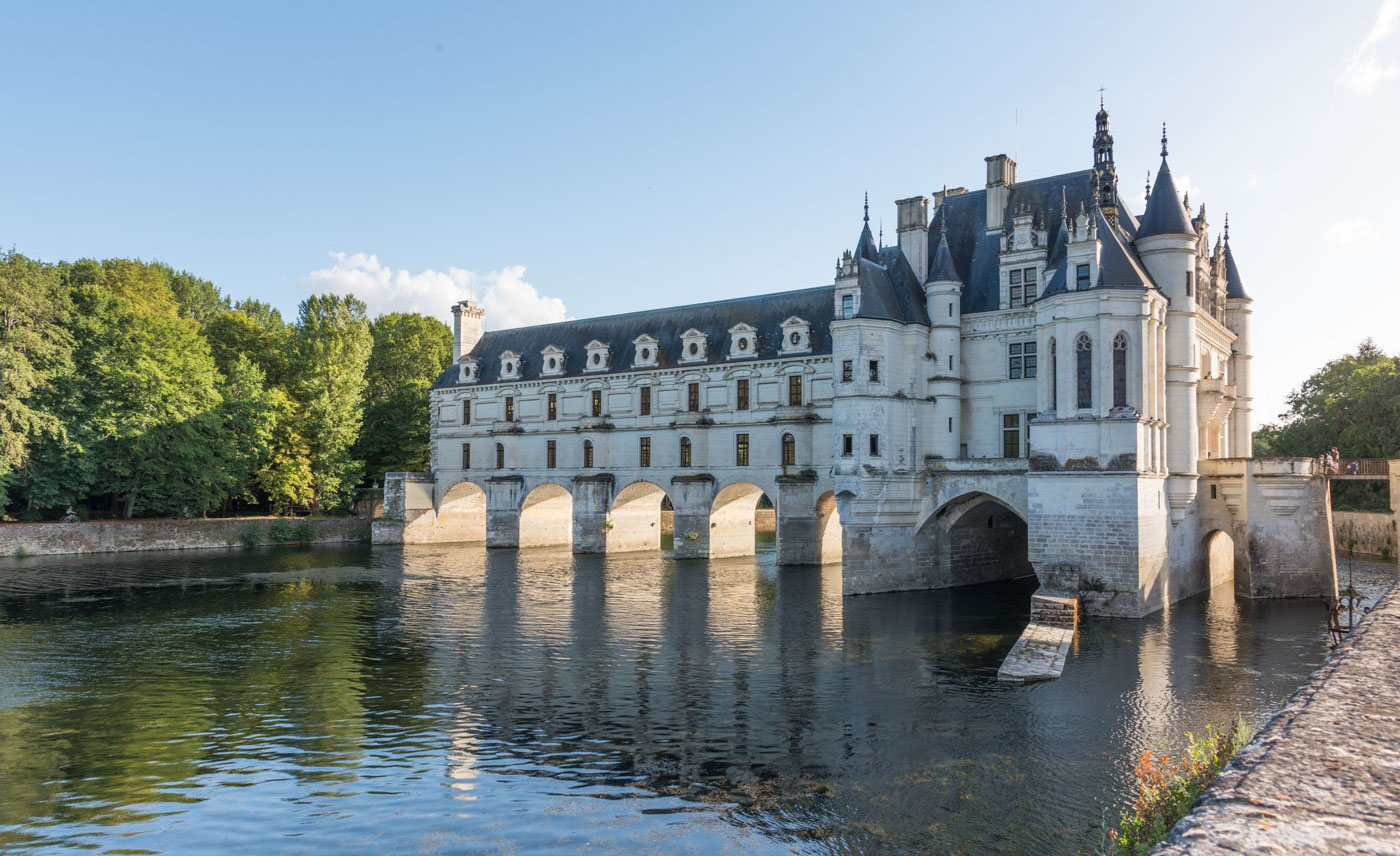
(829, 528)
(461, 514)
(635, 518)
(547, 517)
(732, 530)
(1219, 557)
(975, 538)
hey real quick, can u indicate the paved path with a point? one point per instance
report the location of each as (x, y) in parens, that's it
(1324, 775)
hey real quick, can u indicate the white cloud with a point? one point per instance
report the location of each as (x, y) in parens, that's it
(509, 300)
(1365, 71)
(1189, 188)
(1353, 232)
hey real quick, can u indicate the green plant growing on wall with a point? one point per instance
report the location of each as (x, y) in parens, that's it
(21, 553)
(692, 536)
(250, 535)
(607, 525)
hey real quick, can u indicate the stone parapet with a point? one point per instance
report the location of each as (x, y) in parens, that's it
(1324, 775)
(122, 536)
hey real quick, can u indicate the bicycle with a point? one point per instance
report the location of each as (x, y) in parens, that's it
(70, 517)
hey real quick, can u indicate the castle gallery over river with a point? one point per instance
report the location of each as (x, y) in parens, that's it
(1033, 379)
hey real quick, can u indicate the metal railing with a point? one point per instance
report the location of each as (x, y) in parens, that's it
(1359, 468)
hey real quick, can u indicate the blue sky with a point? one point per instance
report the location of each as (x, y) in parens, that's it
(591, 158)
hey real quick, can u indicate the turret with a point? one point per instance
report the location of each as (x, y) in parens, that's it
(1166, 242)
(1238, 308)
(943, 300)
(1105, 173)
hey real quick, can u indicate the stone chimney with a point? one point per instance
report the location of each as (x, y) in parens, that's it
(913, 233)
(1001, 174)
(468, 323)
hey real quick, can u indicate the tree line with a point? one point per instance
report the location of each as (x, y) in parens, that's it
(1353, 403)
(130, 388)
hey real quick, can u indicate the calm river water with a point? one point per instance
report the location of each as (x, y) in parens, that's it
(457, 701)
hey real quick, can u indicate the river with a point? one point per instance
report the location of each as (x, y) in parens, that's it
(451, 700)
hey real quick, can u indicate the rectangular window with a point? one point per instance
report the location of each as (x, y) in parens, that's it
(950, 424)
(741, 450)
(847, 445)
(550, 454)
(466, 456)
(510, 408)
(553, 406)
(597, 402)
(848, 370)
(466, 413)
(741, 394)
(1028, 276)
(848, 304)
(692, 397)
(1011, 435)
(644, 452)
(645, 408)
(875, 445)
(1015, 288)
(794, 390)
(875, 371)
(1188, 283)
(500, 456)
(1081, 277)
(1021, 360)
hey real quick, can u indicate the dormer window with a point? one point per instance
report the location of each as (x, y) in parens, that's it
(693, 344)
(797, 336)
(647, 352)
(510, 365)
(466, 370)
(597, 359)
(743, 341)
(552, 361)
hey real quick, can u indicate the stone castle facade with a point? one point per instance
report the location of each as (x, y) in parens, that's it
(1031, 380)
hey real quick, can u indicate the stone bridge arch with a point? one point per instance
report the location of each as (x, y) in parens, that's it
(634, 519)
(461, 513)
(976, 537)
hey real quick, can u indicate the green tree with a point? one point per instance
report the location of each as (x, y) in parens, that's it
(285, 479)
(195, 298)
(410, 351)
(233, 334)
(330, 346)
(35, 349)
(248, 424)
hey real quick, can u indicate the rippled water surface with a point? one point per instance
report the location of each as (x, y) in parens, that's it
(453, 700)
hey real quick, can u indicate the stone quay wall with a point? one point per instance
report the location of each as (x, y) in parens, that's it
(1324, 775)
(1374, 533)
(121, 536)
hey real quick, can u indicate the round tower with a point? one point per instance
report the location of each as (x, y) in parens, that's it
(943, 299)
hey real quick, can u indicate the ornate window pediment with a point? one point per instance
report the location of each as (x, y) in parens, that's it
(598, 356)
(647, 351)
(552, 361)
(510, 365)
(743, 341)
(693, 345)
(797, 336)
(467, 370)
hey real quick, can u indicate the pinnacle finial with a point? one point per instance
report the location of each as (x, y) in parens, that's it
(1147, 188)
(1164, 139)
(943, 224)
(867, 203)
(881, 241)
(1227, 227)
(1064, 206)
(1100, 96)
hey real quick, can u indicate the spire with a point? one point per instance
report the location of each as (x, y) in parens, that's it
(942, 269)
(867, 193)
(1234, 286)
(865, 247)
(1164, 139)
(1227, 227)
(1105, 173)
(1165, 214)
(1147, 189)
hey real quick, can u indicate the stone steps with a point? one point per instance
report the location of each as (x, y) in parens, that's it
(1039, 655)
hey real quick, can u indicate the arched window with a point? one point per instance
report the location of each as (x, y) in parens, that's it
(1120, 370)
(685, 451)
(789, 451)
(1054, 376)
(500, 456)
(1084, 372)
(588, 453)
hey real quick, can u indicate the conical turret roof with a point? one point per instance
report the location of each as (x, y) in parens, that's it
(1165, 214)
(942, 269)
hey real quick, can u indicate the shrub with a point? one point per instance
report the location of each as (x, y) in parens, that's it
(1166, 790)
(250, 535)
(284, 531)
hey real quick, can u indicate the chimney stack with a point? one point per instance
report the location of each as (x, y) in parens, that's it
(1001, 174)
(467, 326)
(913, 233)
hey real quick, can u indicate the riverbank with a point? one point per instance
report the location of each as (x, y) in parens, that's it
(122, 536)
(1324, 775)
(1373, 533)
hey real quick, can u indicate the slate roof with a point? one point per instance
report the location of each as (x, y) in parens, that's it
(766, 312)
(976, 253)
(942, 269)
(890, 289)
(1234, 288)
(1165, 214)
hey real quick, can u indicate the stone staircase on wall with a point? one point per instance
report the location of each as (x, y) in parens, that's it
(1039, 655)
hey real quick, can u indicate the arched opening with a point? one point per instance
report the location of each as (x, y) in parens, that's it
(547, 517)
(973, 539)
(732, 520)
(829, 528)
(461, 514)
(1219, 555)
(634, 521)
(1084, 372)
(789, 450)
